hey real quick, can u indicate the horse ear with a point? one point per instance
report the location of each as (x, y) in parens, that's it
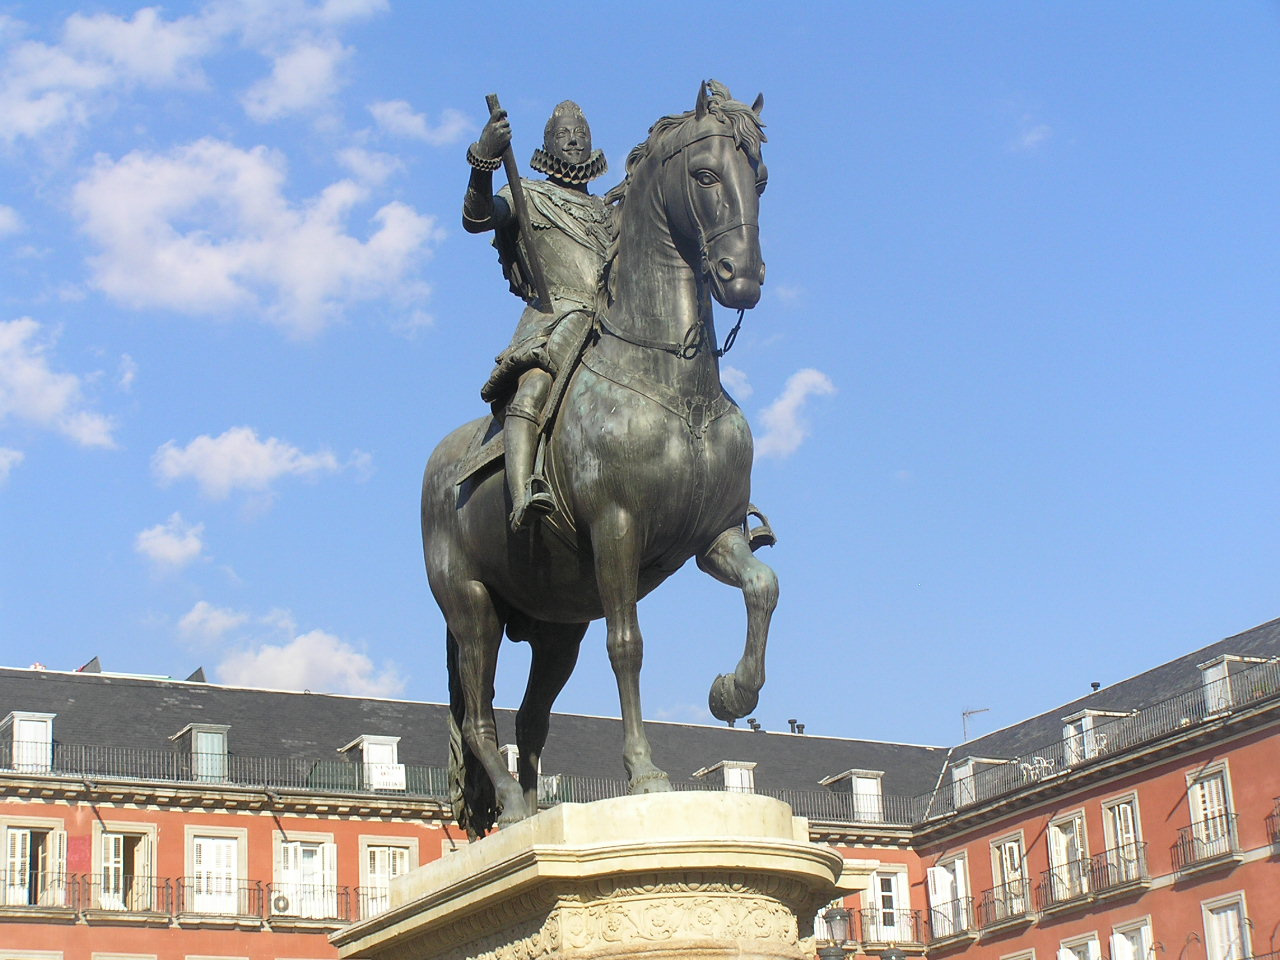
(758, 105)
(700, 109)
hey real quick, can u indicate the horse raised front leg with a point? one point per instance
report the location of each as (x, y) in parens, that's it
(729, 560)
(615, 543)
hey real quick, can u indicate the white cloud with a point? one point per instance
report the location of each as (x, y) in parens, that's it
(369, 166)
(316, 661)
(8, 460)
(784, 428)
(1031, 136)
(207, 229)
(46, 88)
(303, 78)
(238, 460)
(128, 372)
(10, 222)
(207, 623)
(397, 118)
(171, 545)
(31, 391)
(737, 382)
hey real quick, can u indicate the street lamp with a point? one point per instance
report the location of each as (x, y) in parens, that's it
(838, 924)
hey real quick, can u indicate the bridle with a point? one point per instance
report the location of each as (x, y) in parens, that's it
(698, 335)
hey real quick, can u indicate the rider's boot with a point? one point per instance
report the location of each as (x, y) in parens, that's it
(529, 492)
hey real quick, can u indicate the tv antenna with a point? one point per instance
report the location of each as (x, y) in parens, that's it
(964, 719)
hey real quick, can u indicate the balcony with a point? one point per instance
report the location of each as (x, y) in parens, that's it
(1120, 870)
(878, 928)
(33, 890)
(1064, 885)
(951, 922)
(1273, 826)
(116, 895)
(1007, 905)
(306, 903)
(209, 896)
(1206, 844)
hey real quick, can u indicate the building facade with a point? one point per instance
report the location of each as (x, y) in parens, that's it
(152, 818)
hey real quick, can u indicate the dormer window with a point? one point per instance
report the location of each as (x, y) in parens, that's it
(1216, 680)
(1084, 735)
(31, 736)
(206, 744)
(868, 794)
(734, 776)
(380, 761)
(962, 783)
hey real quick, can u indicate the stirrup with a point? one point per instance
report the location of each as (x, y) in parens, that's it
(760, 536)
(537, 498)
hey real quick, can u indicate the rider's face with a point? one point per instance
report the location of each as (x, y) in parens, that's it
(571, 140)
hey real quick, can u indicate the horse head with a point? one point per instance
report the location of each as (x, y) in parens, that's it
(712, 179)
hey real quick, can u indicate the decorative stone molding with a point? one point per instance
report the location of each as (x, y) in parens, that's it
(708, 876)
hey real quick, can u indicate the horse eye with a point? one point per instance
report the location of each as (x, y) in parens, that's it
(760, 186)
(706, 178)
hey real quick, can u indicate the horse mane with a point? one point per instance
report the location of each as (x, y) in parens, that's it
(748, 134)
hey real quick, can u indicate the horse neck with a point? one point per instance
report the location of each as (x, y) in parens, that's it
(658, 295)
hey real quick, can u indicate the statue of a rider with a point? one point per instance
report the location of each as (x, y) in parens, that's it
(570, 234)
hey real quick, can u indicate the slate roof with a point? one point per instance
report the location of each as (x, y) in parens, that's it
(107, 710)
(111, 710)
(1150, 687)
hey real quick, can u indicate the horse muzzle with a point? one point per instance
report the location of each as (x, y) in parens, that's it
(735, 287)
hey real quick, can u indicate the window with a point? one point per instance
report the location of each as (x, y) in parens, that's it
(206, 744)
(1226, 928)
(1132, 941)
(1068, 865)
(381, 863)
(948, 898)
(124, 877)
(1212, 821)
(215, 865)
(1008, 871)
(887, 918)
(867, 794)
(380, 759)
(1080, 948)
(32, 740)
(306, 879)
(735, 776)
(35, 864)
(1084, 735)
(1124, 849)
(1216, 680)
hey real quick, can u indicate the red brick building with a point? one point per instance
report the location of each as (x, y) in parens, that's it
(151, 818)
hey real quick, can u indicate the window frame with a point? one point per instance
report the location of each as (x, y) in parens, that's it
(1142, 924)
(53, 892)
(149, 832)
(1077, 876)
(957, 921)
(1231, 899)
(192, 832)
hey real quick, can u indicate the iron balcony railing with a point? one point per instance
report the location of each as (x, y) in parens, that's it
(951, 918)
(1008, 901)
(309, 901)
(124, 893)
(216, 895)
(1065, 882)
(29, 888)
(1205, 841)
(1119, 866)
(1273, 823)
(881, 925)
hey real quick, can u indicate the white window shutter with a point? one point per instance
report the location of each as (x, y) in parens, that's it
(1065, 954)
(1121, 948)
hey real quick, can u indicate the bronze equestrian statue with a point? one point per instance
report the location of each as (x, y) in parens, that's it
(647, 458)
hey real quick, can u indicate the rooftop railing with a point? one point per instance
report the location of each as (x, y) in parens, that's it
(1108, 735)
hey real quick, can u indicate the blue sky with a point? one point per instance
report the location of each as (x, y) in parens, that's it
(1013, 377)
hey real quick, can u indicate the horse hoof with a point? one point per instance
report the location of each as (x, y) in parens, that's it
(726, 699)
(656, 782)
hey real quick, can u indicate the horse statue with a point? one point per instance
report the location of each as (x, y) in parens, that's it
(650, 460)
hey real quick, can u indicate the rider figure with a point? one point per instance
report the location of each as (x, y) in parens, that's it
(572, 231)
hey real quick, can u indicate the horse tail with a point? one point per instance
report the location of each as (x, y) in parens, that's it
(471, 795)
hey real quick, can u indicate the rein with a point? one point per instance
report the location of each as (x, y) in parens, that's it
(698, 335)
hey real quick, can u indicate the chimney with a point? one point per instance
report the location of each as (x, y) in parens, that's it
(792, 724)
(800, 729)
(754, 724)
(1096, 686)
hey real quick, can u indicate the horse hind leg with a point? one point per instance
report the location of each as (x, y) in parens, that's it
(729, 559)
(554, 649)
(475, 628)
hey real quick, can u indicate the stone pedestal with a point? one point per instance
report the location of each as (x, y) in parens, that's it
(699, 876)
